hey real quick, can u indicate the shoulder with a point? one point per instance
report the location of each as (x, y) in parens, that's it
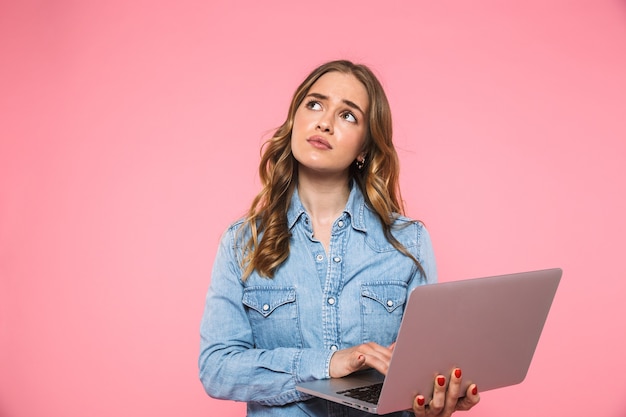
(409, 232)
(233, 238)
(237, 226)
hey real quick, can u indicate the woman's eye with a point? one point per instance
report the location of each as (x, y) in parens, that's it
(349, 117)
(313, 105)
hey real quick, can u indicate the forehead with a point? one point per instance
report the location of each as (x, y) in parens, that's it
(338, 86)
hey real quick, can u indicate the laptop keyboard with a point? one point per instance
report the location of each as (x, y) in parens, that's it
(368, 394)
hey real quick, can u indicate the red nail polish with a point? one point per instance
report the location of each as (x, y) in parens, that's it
(441, 381)
(475, 390)
(457, 373)
(420, 401)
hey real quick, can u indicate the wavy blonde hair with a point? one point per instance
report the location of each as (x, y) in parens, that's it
(266, 246)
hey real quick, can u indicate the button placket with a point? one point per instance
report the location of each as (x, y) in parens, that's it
(333, 285)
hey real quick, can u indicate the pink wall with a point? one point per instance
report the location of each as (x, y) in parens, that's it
(129, 139)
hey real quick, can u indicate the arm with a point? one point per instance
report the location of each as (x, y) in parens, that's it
(426, 256)
(230, 365)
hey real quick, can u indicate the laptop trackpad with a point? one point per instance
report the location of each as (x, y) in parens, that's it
(357, 379)
(369, 375)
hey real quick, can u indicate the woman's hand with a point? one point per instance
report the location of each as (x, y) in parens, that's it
(446, 397)
(368, 355)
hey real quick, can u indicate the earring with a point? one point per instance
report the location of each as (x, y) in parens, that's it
(360, 164)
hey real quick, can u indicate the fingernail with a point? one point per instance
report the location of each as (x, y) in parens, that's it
(457, 373)
(441, 381)
(420, 401)
(475, 390)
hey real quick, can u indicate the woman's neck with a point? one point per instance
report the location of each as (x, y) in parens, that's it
(323, 198)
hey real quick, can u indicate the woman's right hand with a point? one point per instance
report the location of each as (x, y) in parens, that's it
(368, 355)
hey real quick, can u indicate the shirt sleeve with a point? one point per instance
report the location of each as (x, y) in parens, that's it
(426, 257)
(230, 366)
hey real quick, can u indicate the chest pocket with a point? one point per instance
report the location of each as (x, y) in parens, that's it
(382, 306)
(273, 316)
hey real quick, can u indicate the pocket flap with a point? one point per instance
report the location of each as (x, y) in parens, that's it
(389, 295)
(267, 299)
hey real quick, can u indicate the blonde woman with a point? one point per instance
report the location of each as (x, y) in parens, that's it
(312, 283)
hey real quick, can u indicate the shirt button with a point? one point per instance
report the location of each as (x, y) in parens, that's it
(389, 303)
(331, 301)
(334, 347)
(319, 258)
(340, 223)
(266, 307)
(337, 259)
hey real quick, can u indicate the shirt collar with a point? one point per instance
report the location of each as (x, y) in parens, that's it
(355, 208)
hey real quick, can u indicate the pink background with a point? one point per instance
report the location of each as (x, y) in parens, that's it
(129, 139)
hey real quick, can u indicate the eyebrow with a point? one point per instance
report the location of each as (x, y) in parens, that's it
(347, 102)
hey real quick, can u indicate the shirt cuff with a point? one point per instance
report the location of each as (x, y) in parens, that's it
(313, 364)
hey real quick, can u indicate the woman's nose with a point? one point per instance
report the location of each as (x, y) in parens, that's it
(325, 125)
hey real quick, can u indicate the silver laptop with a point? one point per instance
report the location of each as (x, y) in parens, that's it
(489, 327)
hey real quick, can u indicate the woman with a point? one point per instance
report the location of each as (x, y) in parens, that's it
(312, 282)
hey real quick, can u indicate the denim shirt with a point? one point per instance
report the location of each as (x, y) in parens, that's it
(260, 337)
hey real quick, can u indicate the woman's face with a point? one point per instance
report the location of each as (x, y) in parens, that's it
(330, 124)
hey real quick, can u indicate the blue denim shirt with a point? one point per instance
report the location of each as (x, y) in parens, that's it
(260, 337)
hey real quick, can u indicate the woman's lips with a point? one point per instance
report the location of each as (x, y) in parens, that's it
(319, 142)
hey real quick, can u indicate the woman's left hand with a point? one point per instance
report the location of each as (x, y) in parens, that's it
(446, 399)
